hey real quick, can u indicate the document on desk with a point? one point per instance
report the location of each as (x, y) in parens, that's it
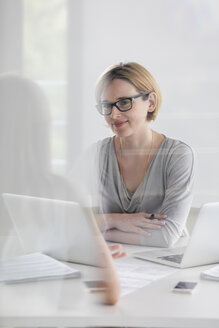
(135, 274)
(211, 274)
(32, 267)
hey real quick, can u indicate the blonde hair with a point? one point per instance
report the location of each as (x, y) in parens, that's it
(135, 74)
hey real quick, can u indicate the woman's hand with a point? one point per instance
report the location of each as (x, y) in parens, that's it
(137, 222)
(115, 251)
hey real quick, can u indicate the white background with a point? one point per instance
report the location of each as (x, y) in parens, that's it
(177, 41)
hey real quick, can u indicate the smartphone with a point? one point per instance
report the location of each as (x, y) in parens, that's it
(184, 287)
(95, 285)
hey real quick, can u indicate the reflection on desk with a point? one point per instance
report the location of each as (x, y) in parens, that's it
(66, 303)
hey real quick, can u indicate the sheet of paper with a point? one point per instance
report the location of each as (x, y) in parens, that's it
(212, 273)
(136, 273)
(35, 266)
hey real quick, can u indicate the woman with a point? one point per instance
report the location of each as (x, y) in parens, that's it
(25, 167)
(145, 178)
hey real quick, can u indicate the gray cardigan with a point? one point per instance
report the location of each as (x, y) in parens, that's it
(166, 188)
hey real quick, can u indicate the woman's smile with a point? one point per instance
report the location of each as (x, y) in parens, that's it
(119, 124)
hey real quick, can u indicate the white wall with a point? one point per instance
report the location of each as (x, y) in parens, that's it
(11, 14)
(178, 42)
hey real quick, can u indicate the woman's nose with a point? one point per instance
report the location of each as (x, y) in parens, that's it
(115, 112)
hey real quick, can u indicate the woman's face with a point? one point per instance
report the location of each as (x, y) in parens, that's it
(125, 124)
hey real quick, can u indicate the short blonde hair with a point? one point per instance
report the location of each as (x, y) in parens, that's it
(135, 74)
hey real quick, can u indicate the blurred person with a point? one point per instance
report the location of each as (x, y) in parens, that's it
(25, 166)
(144, 178)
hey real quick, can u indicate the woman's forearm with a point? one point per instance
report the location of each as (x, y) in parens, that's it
(107, 221)
(115, 235)
(110, 275)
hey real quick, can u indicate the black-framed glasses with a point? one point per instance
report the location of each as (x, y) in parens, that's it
(123, 105)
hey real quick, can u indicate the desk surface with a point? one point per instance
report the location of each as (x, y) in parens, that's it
(66, 303)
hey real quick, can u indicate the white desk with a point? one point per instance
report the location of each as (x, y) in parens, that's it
(68, 304)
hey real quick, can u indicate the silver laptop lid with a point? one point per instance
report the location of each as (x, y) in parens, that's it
(203, 246)
(61, 229)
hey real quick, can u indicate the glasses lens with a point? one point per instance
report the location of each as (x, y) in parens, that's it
(124, 104)
(106, 108)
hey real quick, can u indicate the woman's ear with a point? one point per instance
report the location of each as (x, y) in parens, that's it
(152, 98)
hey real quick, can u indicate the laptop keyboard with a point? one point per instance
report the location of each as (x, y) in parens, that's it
(176, 258)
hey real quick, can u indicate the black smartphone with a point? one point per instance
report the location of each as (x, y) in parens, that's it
(184, 287)
(95, 285)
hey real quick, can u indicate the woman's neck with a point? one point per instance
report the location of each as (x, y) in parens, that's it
(137, 141)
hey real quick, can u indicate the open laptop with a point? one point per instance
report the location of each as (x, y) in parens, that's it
(203, 246)
(61, 229)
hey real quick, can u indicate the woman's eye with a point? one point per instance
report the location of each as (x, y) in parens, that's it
(124, 102)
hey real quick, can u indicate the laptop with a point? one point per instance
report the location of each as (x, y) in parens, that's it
(203, 245)
(61, 229)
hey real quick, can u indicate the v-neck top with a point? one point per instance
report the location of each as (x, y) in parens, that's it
(137, 195)
(167, 187)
